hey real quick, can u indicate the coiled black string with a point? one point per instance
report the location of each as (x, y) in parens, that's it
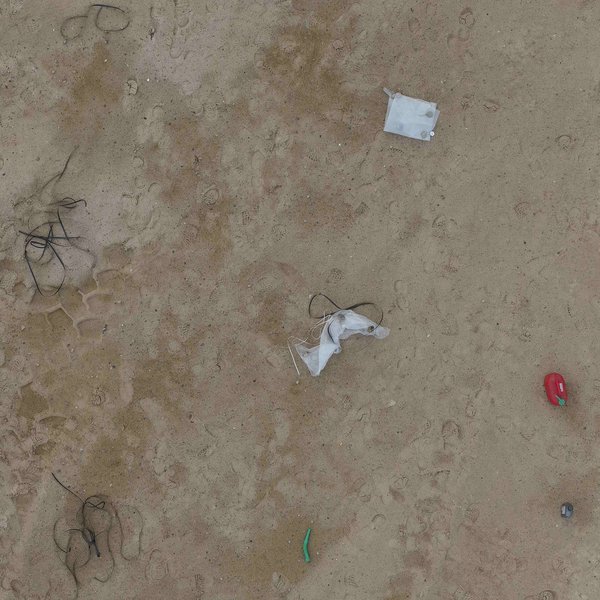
(88, 534)
(46, 238)
(100, 8)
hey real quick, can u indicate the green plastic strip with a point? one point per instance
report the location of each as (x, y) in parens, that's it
(305, 546)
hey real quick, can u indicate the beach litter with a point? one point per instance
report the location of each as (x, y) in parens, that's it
(410, 117)
(336, 326)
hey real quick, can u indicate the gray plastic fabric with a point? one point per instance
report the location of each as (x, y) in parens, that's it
(410, 117)
(338, 326)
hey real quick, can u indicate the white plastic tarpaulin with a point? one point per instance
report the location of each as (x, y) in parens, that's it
(410, 117)
(336, 327)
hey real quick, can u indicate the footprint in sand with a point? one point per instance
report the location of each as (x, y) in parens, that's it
(466, 18)
(451, 434)
(281, 584)
(396, 487)
(472, 513)
(90, 328)
(157, 567)
(545, 595)
(131, 524)
(179, 36)
(462, 594)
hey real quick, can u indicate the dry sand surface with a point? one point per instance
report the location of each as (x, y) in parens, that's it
(232, 160)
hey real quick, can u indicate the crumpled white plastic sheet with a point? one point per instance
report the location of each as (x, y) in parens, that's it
(338, 326)
(410, 117)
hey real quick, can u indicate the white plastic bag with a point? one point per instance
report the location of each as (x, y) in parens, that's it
(338, 326)
(410, 117)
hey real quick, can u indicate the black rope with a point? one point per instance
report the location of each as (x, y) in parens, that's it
(34, 239)
(100, 8)
(90, 536)
(87, 533)
(85, 16)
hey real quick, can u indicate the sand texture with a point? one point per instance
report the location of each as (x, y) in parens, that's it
(232, 161)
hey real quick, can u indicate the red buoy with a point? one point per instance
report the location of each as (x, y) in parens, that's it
(556, 389)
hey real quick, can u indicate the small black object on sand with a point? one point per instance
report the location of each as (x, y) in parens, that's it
(566, 510)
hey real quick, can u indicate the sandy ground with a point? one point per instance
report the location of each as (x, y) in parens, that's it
(233, 162)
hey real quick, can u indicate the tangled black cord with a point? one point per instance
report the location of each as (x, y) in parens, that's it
(100, 7)
(87, 533)
(41, 244)
(90, 506)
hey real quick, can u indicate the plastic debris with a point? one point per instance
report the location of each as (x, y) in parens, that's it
(337, 326)
(305, 545)
(410, 117)
(556, 389)
(566, 510)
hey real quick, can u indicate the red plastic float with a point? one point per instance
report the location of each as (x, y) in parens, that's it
(556, 389)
